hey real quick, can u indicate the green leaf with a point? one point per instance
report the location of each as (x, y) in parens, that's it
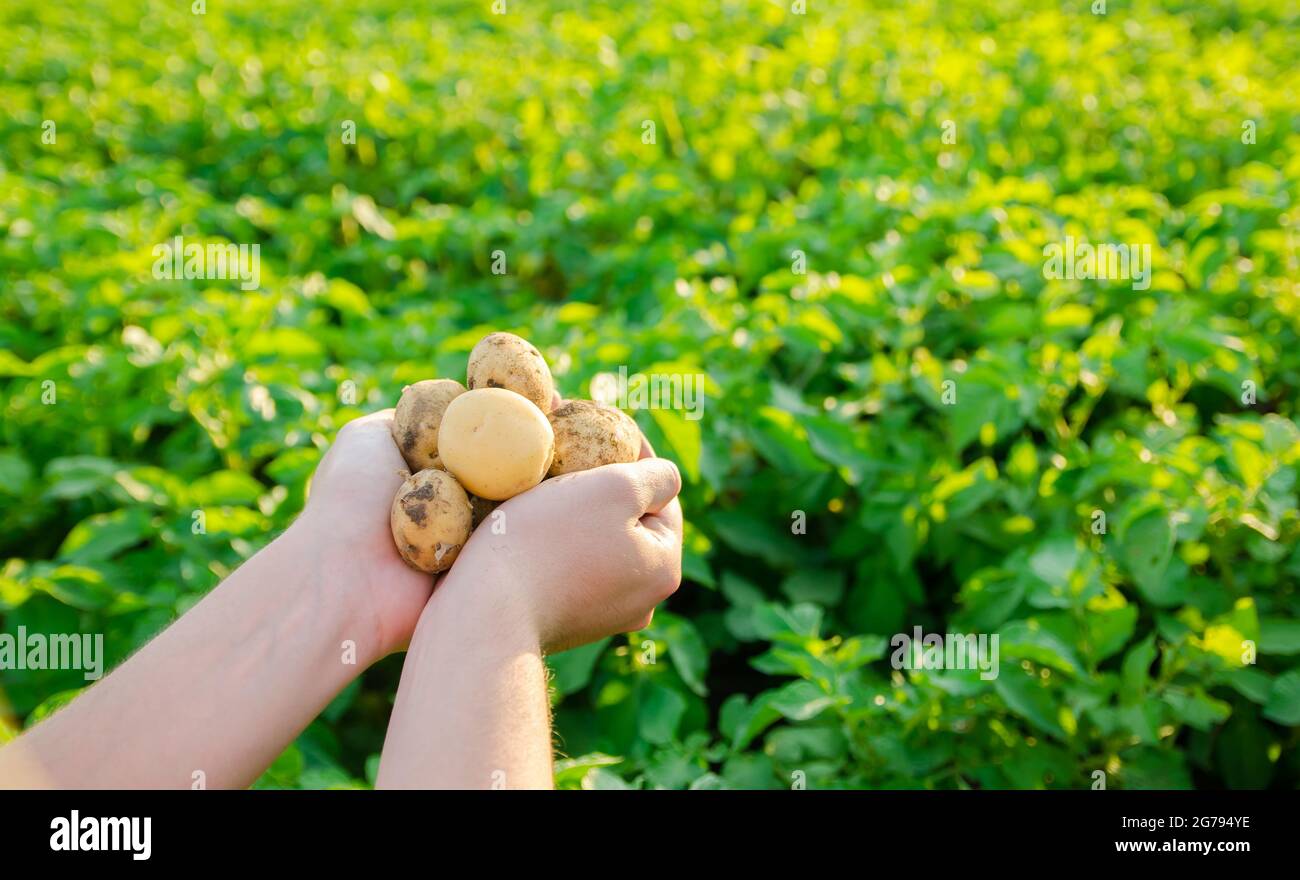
(50, 705)
(1055, 560)
(1136, 669)
(989, 597)
(1031, 640)
(1283, 704)
(78, 476)
(285, 770)
(1195, 707)
(79, 586)
(600, 779)
(1251, 683)
(764, 538)
(823, 586)
(752, 719)
(1279, 636)
(774, 621)
(1241, 752)
(838, 444)
(572, 772)
(686, 649)
(572, 669)
(1110, 629)
(1146, 547)
(696, 568)
(783, 441)
(683, 436)
(1029, 698)
(876, 605)
(1146, 768)
(15, 473)
(801, 701)
(660, 713)
(749, 772)
(227, 488)
(104, 535)
(798, 745)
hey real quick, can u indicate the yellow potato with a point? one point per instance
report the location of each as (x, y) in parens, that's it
(589, 434)
(431, 520)
(417, 418)
(504, 360)
(495, 443)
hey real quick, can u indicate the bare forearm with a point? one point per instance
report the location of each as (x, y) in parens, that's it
(472, 708)
(213, 699)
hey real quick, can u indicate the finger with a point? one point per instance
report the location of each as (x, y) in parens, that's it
(647, 451)
(379, 415)
(655, 481)
(556, 400)
(641, 623)
(667, 523)
(372, 421)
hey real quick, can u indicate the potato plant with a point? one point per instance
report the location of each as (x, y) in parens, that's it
(837, 219)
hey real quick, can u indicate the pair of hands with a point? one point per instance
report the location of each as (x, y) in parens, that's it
(229, 685)
(579, 557)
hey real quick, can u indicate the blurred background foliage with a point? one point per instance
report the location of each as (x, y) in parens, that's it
(774, 132)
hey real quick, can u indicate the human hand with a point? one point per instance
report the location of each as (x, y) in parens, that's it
(580, 556)
(345, 525)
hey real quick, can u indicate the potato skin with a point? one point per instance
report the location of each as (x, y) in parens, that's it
(589, 434)
(495, 442)
(504, 360)
(430, 519)
(417, 418)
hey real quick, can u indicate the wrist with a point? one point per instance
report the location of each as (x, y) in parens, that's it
(482, 609)
(337, 613)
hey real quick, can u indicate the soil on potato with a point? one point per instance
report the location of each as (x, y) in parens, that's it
(413, 503)
(418, 414)
(514, 370)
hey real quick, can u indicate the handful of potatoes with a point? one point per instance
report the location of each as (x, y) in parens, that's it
(471, 448)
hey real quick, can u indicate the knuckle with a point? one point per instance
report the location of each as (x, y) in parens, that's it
(668, 583)
(673, 477)
(641, 623)
(623, 484)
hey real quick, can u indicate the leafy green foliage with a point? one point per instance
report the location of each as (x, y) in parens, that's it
(1122, 651)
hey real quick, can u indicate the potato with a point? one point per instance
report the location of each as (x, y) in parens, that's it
(416, 421)
(589, 434)
(482, 509)
(495, 442)
(430, 520)
(504, 360)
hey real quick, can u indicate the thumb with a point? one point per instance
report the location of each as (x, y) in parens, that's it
(657, 482)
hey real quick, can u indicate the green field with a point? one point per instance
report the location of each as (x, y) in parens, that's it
(838, 217)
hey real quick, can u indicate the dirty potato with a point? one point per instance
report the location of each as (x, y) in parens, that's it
(418, 417)
(589, 434)
(504, 360)
(430, 519)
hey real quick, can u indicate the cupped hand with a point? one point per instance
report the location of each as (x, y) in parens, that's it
(345, 523)
(574, 559)
(580, 556)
